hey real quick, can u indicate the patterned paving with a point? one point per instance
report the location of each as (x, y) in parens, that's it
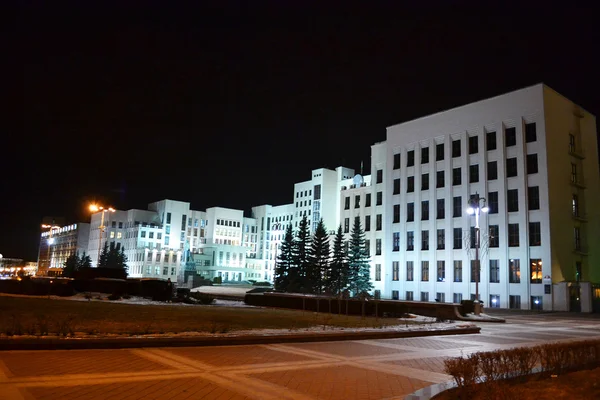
(389, 369)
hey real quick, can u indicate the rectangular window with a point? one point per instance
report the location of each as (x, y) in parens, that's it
(457, 298)
(473, 145)
(346, 225)
(511, 167)
(490, 140)
(317, 190)
(474, 173)
(514, 302)
(425, 182)
(410, 241)
(379, 198)
(378, 222)
(494, 239)
(368, 200)
(367, 223)
(379, 176)
(577, 237)
(457, 270)
(492, 170)
(397, 161)
(396, 241)
(572, 143)
(347, 203)
(494, 300)
(457, 238)
(410, 212)
(409, 295)
(472, 237)
(439, 152)
(575, 203)
(456, 148)
(513, 235)
(410, 158)
(168, 218)
(425, 155)
(183, 221)
(510, 136)
(410, 184)
(441, 271)
(424, 240)
(456, 176)
(368, 247)
(377, 272)
(512, 200)
(535, 267)
(396, 213)
(425, 271)
(573, 173)
(532, 164)
(377, 247)
(493, 202)
(395, 295)
(441, 209)
(514, 271)
(439, 179)
(494, 271)
(410, 271)
(424, 210)
(396, 186)
(441, 239)
(424, 296)
(357, 201)
(533, 198)
(457, 207)
(395, 270)
(535, 234)
(530, 132)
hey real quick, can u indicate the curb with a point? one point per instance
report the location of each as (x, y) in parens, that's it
(126, 343)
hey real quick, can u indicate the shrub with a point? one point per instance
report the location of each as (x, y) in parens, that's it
(202, 298)
(261, 284)
(464, 370)
(217, 280)
(114, 296)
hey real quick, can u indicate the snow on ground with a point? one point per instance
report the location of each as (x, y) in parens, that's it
(225, 290)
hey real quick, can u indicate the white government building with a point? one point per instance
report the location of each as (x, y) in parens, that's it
(527, 153)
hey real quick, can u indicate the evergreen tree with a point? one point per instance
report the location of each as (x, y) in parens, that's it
(358, 261)
(103, 256)
(318, 259)
(301, 260)
(337, 277)
(71, 265)
(284, 268)
(85, 261)
(111, 257)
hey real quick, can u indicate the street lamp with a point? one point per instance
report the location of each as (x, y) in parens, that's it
(50, 241)
(476, 206)
(95, 208)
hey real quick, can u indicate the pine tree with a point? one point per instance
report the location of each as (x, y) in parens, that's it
(301, 252)
(103, 256)
(85, 261)
(319, 256)
(111, 257)
(337, 278)
(284, 267)
(71, 265)
(358, 261)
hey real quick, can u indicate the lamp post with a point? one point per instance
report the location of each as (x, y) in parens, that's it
(476, 206)
(95, 208)
(50, 241)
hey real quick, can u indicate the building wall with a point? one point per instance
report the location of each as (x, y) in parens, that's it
(55, 248)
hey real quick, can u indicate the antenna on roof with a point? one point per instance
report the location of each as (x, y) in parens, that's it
(361, 167)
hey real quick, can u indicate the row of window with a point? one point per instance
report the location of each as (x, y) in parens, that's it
(223, 222)
(514, 301)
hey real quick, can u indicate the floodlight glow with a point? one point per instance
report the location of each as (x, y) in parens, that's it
(494, 301)
(51, 241)
(485, 209)
(94, 208)
(470, 211)
(537, 301)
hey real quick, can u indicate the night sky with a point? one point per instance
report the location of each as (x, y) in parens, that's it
(230, 106)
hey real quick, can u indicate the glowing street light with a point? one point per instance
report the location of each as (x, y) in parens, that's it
(96, 208)
(476, 206)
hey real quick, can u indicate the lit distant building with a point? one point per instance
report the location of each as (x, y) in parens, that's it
(57, 244)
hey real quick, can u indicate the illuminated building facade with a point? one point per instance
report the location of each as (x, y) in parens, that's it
(58, 244)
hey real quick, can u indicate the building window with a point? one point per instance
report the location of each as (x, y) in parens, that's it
(410, 212)
(410, 271)
(441, 209)
(368, 200)
(396, 213)
(397, 161)
(535, 234)
(530, 132)
(474, 272)
(396, 186)
(425, 182)
(441, 239)
(533, 198)
(367, 223)
(457, 238)
(368, 247)
(537, 302)
(410, 241)
(473, 145)
(494, 271)
(395, 270)
(410, 184)
(573, 173)
(472, 237)
(409, 295)
(513, 235)
(377, 294)
(347, 203)
(510, 136)
(346, 225)
(514, 302)
(578, 275)
(572, 143)
(457, 270)
(317, 190)
(532, 164)
(512, 200)
(425, 155)
(492, 170)
(410, 158)
(168, 218)
(425, 271)
(424, 210)
(439, 179)
(396, 241)
(441, 271)
(511, 167)
(457, 207)
(379, 198)
(514, 271)
(457, 298)
(494, 301)
(575, 202)
(424, 296)
(377, 247)
(377, 272)
(439, 152)
(424, 240)
(493, 202)
(357, 201)
(474, 173)
(493, 236)
(378, 222)
(456, 176)
(456, 148)
(490, 140)
(395, 295)
(536, 270)
(379, 176)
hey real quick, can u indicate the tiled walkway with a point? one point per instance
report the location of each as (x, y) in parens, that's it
(368, 369)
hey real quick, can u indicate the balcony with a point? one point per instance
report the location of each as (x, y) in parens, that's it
(577, 182)
(577, 153)
(580, 217)
(581, 250)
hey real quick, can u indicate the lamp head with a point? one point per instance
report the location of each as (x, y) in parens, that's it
(485, 209)
(94, 208)
(470, 210)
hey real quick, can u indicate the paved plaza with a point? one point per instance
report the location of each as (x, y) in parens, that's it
(346, 370)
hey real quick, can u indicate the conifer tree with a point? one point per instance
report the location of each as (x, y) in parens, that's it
(358, 261)
(71, 265)
(337, 277)
(111, 257)
(284, 268)
(318, 259)
(301, 252)
(85, 261)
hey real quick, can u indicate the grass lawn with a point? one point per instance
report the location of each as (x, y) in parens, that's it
(32, 315)
(575, 385)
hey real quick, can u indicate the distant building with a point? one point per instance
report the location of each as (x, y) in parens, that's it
(57, 244)
(10, 267)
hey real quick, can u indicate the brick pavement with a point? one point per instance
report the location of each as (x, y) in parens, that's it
(368, 369)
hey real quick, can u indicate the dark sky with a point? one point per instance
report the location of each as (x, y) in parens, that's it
(231, 105)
